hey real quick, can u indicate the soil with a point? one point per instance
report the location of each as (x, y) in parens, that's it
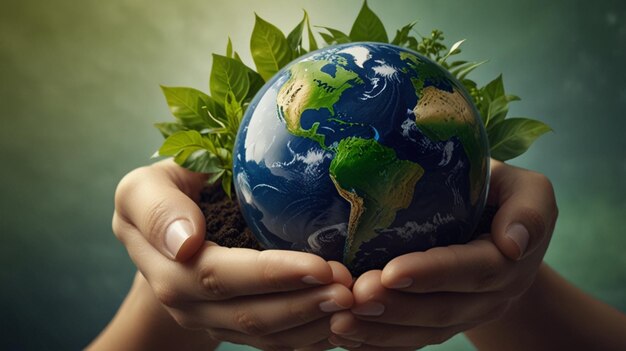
(226, 226)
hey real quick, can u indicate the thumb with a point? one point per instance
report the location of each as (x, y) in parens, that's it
(152, 199)
(527, 210)
(341, 274)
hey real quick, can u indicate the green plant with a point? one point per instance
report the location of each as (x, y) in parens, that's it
(203, 136)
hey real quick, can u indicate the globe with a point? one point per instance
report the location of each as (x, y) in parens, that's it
(359, 153)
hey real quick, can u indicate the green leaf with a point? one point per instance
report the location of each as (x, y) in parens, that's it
(368, 27)
(269, 48)
(456, 64)
(412, 43)
(495, 88)
(512, 137)
(433, 46)
(190, 107)
(201, 161)
(227, 181)
(192, 151)
(498, 109)
(490, 92)
(228, 75)
(169, 128)
(463, 70)
(229, 48)
(335, 36)
(256, 83)
(312, 42)
(236, 57)
(295, 36)
(472, 89)
(184, 140)
(328, 39)
(255, 79)
(234, 113)
(216, 176)
(402, 34)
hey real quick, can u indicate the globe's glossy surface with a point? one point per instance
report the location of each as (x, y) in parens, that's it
(359, 153)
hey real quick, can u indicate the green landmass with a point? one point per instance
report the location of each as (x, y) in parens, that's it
(309, 88)
(341, 60)
(375, 182)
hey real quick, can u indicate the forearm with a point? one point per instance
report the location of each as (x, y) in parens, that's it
(141, 323)
(554, 315)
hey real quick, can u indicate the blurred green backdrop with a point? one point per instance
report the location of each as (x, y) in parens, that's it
(79, 92)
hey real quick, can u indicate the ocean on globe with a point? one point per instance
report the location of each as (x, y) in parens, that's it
(359, 153)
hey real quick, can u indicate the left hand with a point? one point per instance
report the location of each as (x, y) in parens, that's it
(270, 299)
(425, 298)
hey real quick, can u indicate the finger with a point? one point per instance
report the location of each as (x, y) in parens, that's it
(338, 341)
(156, 200)
(302, 336)
(477, 266)
(218, 273)
(222, 273)
(341, 274)
(374, 302)
(527, 210)
(271, 313)
(347, 327)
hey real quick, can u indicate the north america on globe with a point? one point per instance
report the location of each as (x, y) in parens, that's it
(359, 153)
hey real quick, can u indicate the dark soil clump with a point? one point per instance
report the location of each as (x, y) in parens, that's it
(225, 224)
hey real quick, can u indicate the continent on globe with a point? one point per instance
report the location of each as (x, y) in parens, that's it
(312, 87)
(361, 152)
(442, 115)
(376, 183)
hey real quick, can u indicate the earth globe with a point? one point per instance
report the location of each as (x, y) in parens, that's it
(359, 153)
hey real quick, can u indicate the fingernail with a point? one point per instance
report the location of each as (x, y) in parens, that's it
(333, 328)
(331, 306)
(309, 279)
(336, 341)
(519, 234)
(176, 234)
(402, 283)
(369, 309)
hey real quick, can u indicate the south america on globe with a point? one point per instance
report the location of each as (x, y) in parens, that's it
(359, 153)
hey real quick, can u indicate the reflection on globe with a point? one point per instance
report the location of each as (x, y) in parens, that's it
(360, 153)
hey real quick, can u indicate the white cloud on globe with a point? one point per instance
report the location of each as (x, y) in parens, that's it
(360, 54)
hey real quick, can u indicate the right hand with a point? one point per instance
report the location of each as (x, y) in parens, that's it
(426, 297)
(268, 299)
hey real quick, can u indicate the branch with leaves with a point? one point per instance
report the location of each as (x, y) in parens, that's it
(203, 136)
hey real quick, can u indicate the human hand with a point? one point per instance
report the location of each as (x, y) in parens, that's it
(268, 299)
(427, 297)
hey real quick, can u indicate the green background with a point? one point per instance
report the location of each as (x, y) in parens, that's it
(79, 92)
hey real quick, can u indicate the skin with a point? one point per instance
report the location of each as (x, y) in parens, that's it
(554, 315)
(458, 287)
(269, 299)
(141, 322)
(283, 300)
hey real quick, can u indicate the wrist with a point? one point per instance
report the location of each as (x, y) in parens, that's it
(507, 330)
(142, 323)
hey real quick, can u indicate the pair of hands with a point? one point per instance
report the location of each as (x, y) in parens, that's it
(292, 300)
